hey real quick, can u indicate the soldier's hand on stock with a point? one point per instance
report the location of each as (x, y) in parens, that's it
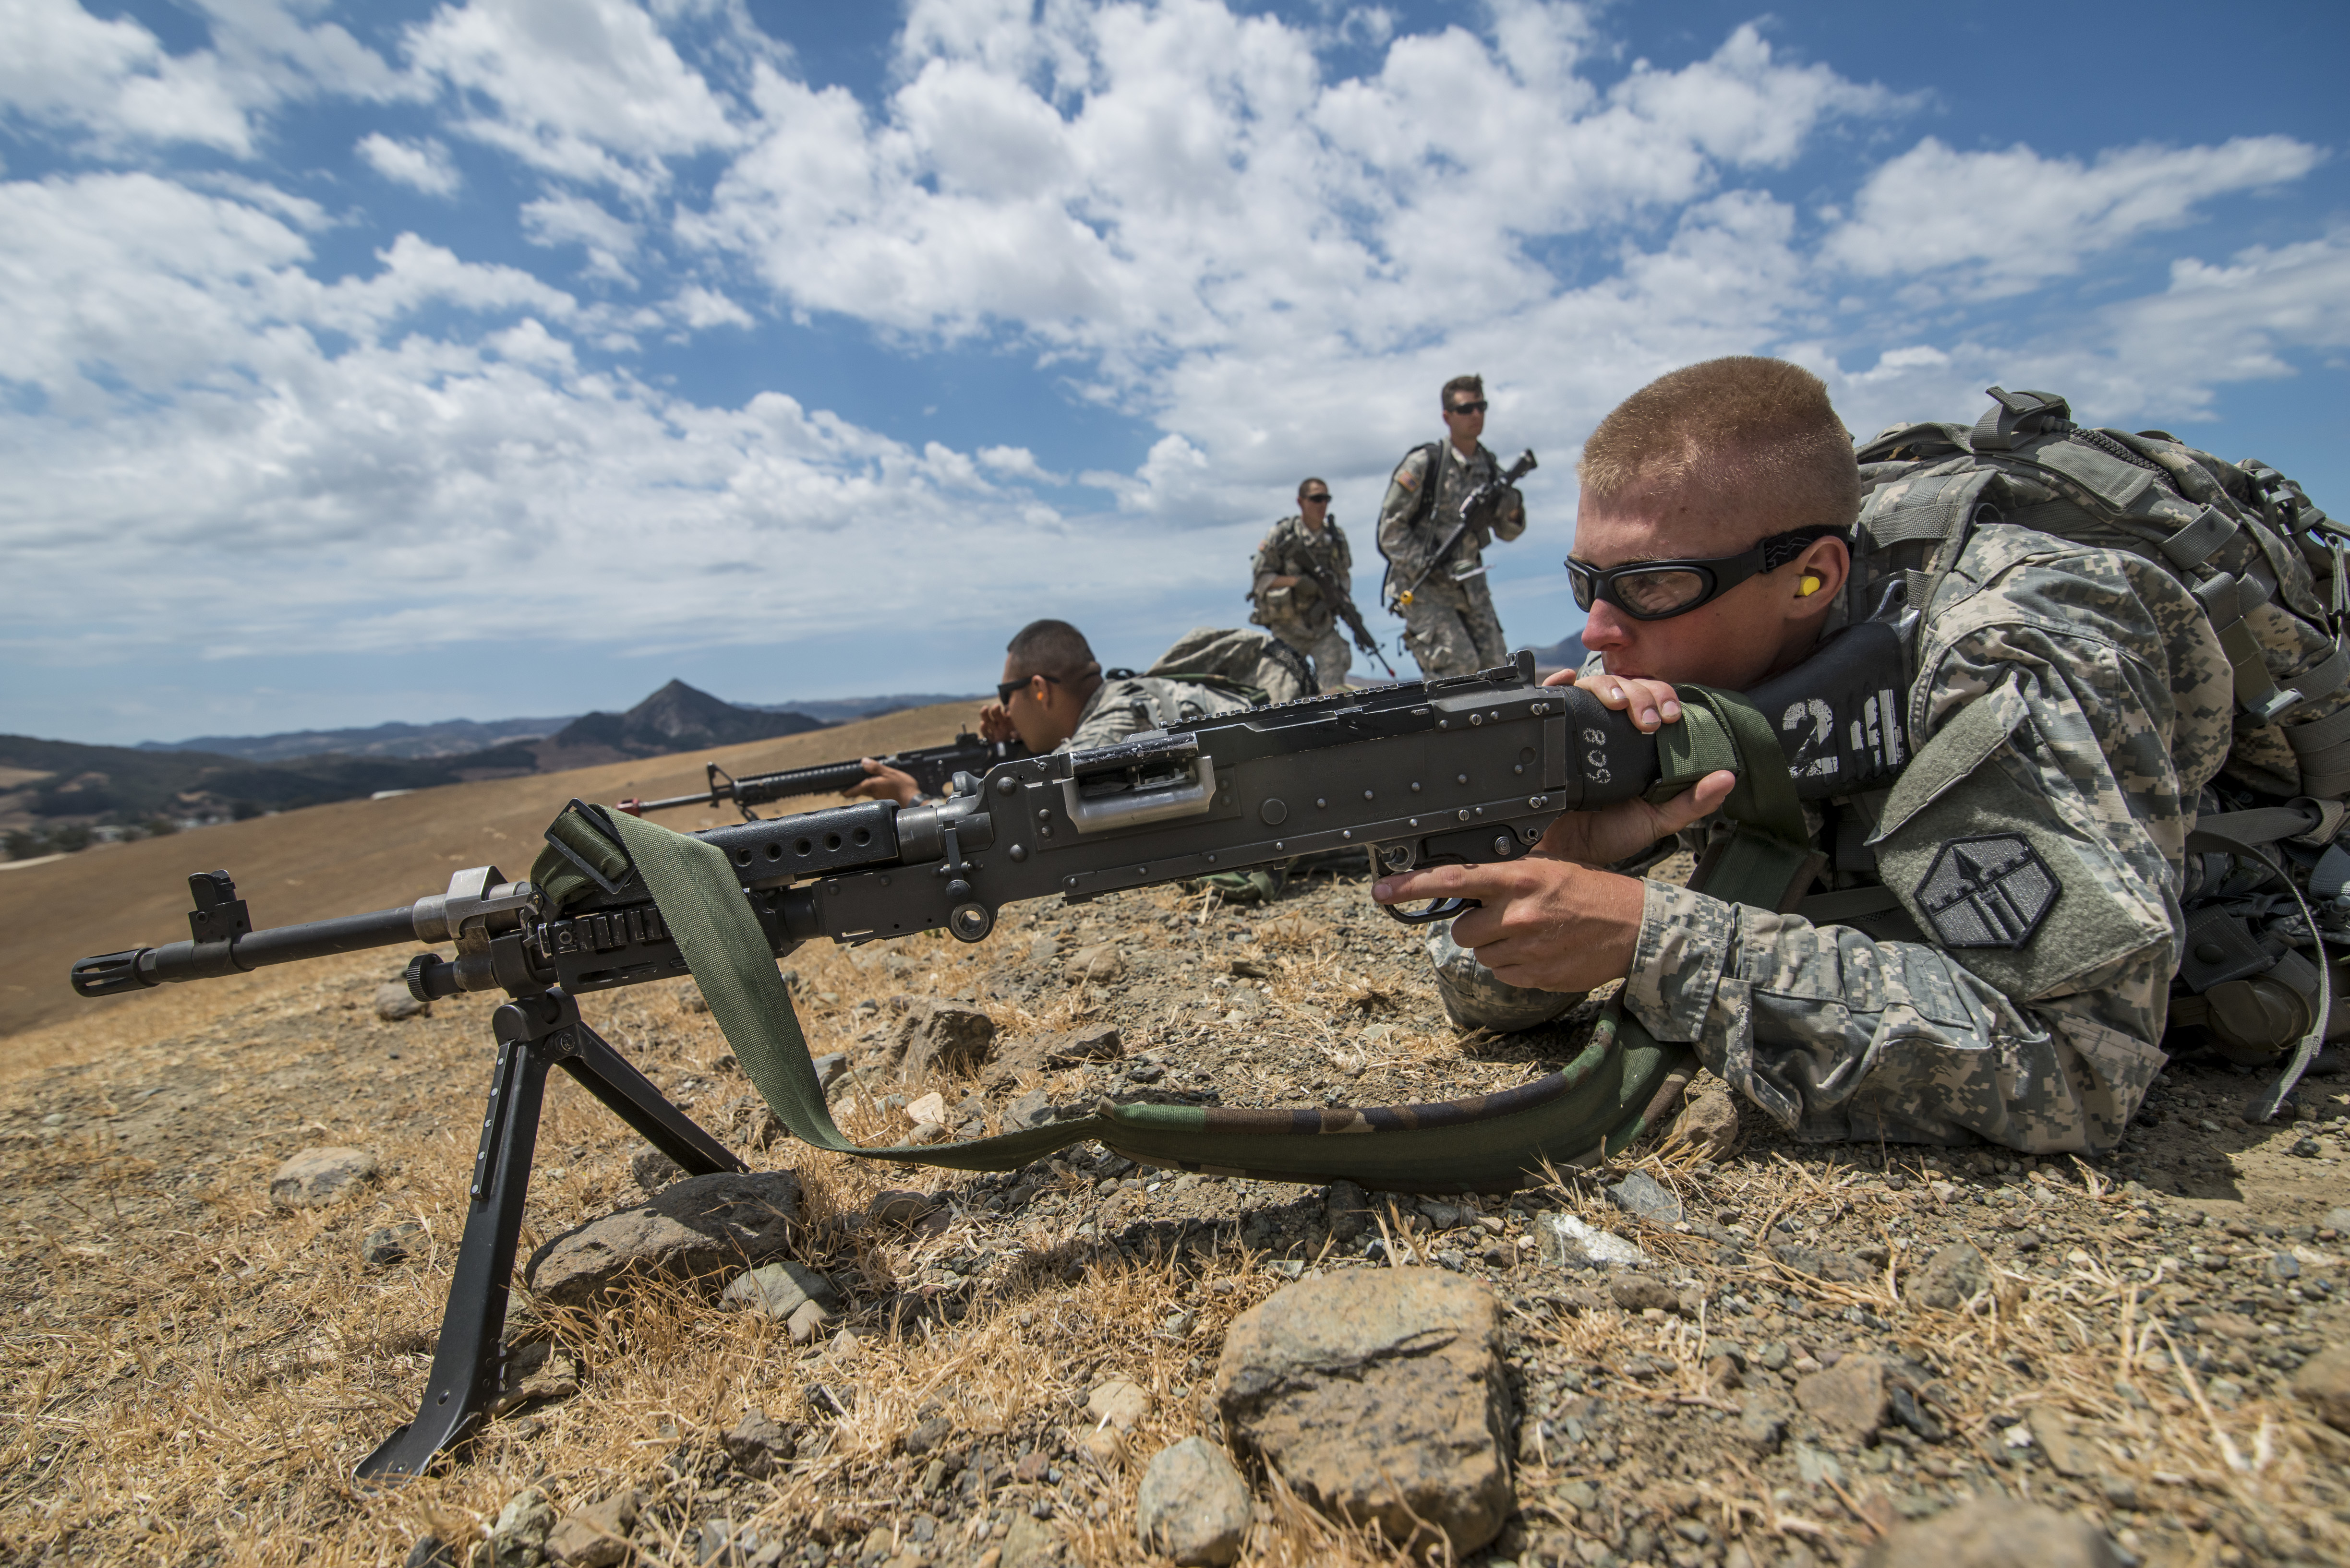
(882, 782)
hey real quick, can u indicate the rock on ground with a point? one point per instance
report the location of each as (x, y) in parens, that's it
(936, 1039)
(1194, 1506)
(392, 1003)
(1566, 1241)
(653, 1169)
(780, 1289)
(1644, 1196)
(1119, 1403)
(1708, 1122)
(317, 1175)
(1029, 1543)
(760, 1444)
(1100, 962)
(704, 1225)
(518, 1540)
(387, 1244)
(1379, 1396)
(1850, 1397)
(1951, 1277)
(1346, 1209)
(1994, 1532)
(2052, 1435)
(595, 1537)
(2323, 1381)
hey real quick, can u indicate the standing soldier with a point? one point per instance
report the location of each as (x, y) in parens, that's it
(1303, 584)
(1449, 620)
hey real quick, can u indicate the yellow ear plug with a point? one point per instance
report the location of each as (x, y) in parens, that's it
(1810, 585)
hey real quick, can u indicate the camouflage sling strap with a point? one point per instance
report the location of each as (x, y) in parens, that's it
(1620, 1084)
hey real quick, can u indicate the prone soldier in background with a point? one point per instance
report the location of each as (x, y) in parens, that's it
(1300, 586)
(1447, 612)
(1056, 696)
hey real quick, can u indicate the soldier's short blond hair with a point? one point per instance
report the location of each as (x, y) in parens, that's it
(1759, 435)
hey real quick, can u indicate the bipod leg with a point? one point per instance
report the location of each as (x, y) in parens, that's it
(631, 1096)
(468, 1361)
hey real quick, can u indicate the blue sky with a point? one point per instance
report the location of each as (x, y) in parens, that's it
(415, 362)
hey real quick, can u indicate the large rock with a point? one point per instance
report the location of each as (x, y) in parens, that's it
(518, 1539)
(595, 1537)
(701, 1226)
(941, 1039)
(1994, 1531)
(1952, 1277)
(1194, 1506)
(1379, 1394)
(319, 1175)
(2323, 1381)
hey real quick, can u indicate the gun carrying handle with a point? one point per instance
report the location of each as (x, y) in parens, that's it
(1143, 805)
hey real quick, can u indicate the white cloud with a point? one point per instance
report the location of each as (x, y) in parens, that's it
(589, 90)
(425, 165)
(699, 308)
(2000, 223)
(567, 220)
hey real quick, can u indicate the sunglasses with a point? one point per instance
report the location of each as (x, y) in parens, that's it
(1005, 691)
(1659, 590)
(1478, 407)
(1315, 500)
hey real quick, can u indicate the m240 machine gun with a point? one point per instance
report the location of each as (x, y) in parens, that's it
(1470, 769)
(932, 768)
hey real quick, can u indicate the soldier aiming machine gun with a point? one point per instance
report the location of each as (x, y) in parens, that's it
(933, 769)
(1476, 511)
(1467, 769)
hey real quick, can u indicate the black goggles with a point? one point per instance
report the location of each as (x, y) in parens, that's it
(1005, 691)
(1659, 590)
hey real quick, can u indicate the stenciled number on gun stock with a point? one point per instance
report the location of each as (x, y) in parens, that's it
(1466, 770)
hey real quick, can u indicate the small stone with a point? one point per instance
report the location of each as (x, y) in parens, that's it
(1094, 1043)
(1952, 1277)
(2323, 1381)
(941, 1039)
(1099, 963)
(2338, 1220)
(2067, 1454)
(1850, 1397)
(2284, 1266)
(897, 1207)
(1029, 1543)
(389, 1244)
(1638, 1293)
(808, 1323)
(320, 1175)
(927, 1437)
(431, 1552)
(1708, 1123)
(1033, 1109)
(393, 1003)
(518, 1539)
(1565, 1242)
(653, 1169)
(1822, 1262)
(1346, 1209)
(1032, 1467)
(1194, 1506)
(595, 1537)
(1118, 1404)
(780, 1289)
(931, 1108)
(1994, 1531)
(831, 1066)
(1761, 1422)
(1644, 1196)
(1105, 1447)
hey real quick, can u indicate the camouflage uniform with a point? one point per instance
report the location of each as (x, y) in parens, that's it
(2074, 696)
(1301, 616)
(1133, 704)
(1450, 626)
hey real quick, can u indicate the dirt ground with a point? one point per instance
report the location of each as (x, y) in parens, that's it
(191, 1371)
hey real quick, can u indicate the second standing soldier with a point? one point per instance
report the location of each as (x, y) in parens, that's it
(1450, 624)
(1302, 555)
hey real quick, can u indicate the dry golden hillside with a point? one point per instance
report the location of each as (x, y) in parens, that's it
(358, 854)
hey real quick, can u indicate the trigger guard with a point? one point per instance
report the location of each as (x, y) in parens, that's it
(1437, 910)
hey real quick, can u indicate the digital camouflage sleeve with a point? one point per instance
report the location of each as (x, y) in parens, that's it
(2072, 701)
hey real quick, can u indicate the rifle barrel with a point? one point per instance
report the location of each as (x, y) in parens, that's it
(108, 974)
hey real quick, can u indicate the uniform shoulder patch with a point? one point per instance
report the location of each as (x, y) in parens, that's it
(1988, 892)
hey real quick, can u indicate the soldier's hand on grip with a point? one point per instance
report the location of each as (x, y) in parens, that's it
(883, 782)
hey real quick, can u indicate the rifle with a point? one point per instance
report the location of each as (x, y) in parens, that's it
(1477, 501)
(1469, 769)
(1343, 602)
(933, 767)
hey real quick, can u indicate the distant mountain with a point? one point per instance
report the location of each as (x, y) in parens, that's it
(450, 738)
(677, 718)
(840, 709)
(63, 780)
(1567, 653)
